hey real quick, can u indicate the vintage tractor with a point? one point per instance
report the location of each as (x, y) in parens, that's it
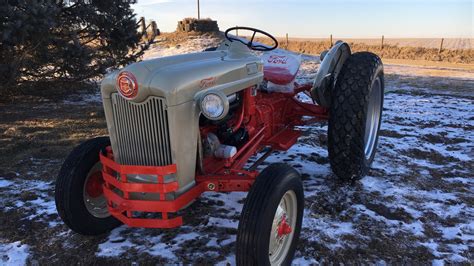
(183, 125)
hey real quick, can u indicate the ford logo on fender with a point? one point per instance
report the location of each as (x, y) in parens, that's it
(278, 59)
(127, 85)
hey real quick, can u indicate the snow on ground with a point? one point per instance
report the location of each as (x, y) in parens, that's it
(193, 44)
(36, 202)
(13, 254)
(415, 205)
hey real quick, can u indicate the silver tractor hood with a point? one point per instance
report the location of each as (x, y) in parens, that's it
(178, 78)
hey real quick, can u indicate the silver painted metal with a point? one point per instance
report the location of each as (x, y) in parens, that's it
(96, 206)
(374, 110)
(280, 245)
(141, 132)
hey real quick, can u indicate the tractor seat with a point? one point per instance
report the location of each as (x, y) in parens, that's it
(280, 69)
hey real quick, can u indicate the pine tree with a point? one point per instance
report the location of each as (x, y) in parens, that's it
(64, 40)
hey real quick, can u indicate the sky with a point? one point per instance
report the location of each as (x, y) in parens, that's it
(318, 18)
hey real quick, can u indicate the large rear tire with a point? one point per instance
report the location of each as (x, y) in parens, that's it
(355, 116)
(271, 218)
(79, 198)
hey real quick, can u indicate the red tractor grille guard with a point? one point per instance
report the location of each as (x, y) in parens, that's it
(117, 191)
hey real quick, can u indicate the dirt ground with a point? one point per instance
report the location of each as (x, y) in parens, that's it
(416, 206)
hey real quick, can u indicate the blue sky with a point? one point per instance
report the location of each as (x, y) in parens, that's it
(315, 18)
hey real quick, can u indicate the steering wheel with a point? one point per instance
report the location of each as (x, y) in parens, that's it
(250, 44)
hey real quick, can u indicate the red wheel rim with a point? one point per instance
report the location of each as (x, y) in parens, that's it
(94, 185)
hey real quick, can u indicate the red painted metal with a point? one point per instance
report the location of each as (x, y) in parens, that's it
(279, 75)
(127, 84)
(244, 153)
(284, 228)
(284, 139)
(229, 180)
(241, 118)
(117, 191)
(269, 119)
(280, 69)
(94, 184)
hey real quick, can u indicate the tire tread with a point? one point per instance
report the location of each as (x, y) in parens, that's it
(65, 184)
(348, 114)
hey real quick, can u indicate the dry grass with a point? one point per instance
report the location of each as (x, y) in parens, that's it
(448, 43)
(424, 56)
(430, 64)
(465, 56)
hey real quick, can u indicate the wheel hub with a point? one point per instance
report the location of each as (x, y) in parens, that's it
(284, 228)
(93, 193)
(94, 185)
(282, 233)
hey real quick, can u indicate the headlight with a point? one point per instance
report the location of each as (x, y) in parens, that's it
(214, 105)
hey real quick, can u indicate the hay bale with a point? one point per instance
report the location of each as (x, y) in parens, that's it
(202, 25)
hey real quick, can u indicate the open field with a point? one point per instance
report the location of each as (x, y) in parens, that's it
(421, 52)
(416, 205)
(448, 43)
(314, 47)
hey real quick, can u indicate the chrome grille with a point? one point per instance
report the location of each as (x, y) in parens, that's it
(141, 132)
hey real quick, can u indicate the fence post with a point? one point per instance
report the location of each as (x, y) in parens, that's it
(381, 45)
(287, 41)
(330, 39)
(154, 28)
(143, 25)
(237, 31)
(441, 46)
(199, 11)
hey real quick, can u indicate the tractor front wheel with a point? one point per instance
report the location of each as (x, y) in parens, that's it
(79, 197)
(271, 218)
(355, 115)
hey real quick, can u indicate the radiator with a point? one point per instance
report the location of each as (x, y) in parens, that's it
(141, 132)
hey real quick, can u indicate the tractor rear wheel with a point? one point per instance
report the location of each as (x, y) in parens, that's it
(271, 218)
(355, 116)
(78, 194)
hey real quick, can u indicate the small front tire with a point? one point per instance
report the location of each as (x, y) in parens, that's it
(78, 194)
(271, 218)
